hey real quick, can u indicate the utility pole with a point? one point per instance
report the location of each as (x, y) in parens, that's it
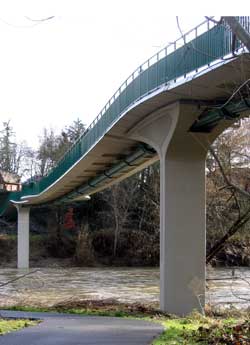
(238, 30)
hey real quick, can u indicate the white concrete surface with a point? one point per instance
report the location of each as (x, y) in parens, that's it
(23, 236)
(182, 212)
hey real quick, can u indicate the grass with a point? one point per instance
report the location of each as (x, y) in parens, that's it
(177, 331)
(199, 330)
(8, 325)
(82, 311)
(194, 329)
(188, 331)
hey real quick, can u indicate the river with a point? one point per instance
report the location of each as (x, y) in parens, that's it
(48, 286)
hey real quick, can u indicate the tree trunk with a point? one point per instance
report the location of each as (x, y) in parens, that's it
(116, 235)
(238, 30)
(242, 219)
(221, 242)
(58, 229)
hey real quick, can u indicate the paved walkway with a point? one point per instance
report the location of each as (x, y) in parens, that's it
(69, 329)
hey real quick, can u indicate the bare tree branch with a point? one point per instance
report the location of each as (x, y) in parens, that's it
(213, 20)
(238, 30)
(233, 229)
(40, 20)
(18, 278)
(229, 184)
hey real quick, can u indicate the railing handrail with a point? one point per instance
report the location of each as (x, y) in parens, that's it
(209, 23)
(71, 156)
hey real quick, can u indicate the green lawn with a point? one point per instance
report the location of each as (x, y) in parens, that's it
(203, 331)
(177, 332)
(194, 329)
(7, 325)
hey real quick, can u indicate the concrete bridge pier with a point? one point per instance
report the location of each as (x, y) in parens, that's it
(23, 217)
(182, 211)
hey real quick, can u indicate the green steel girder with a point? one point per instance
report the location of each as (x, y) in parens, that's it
(212, 116)
(142, 151)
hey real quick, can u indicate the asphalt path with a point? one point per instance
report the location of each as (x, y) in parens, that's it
(69, 329)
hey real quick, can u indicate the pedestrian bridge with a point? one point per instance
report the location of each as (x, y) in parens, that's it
(171, 108)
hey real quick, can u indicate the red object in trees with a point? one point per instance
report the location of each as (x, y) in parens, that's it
(68, 221)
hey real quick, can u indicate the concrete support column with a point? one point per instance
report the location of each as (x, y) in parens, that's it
(182, 210)
(182, 233)
(23, 236)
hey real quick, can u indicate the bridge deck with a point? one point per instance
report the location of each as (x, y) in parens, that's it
(202, 70)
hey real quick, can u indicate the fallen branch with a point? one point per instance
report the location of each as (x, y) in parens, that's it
(18, 278)
(233, 229)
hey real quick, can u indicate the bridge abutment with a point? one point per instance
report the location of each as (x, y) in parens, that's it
(182, 206)
(23, 216)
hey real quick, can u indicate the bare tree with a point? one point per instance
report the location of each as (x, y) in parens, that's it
(120, 198)
(238, 30)
(229, 185)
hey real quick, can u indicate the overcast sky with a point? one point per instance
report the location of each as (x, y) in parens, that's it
(69, 66)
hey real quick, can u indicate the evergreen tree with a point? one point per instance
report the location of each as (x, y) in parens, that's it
(75, 130)
(8, 148)
(53, 147)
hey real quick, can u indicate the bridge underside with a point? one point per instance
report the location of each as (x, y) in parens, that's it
(159, 127)
(211, 88)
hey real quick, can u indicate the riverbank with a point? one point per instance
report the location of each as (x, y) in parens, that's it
(236, 252)
(94, 251)
(128, 292)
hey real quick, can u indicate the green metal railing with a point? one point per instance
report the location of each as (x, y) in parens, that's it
(206, 44)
